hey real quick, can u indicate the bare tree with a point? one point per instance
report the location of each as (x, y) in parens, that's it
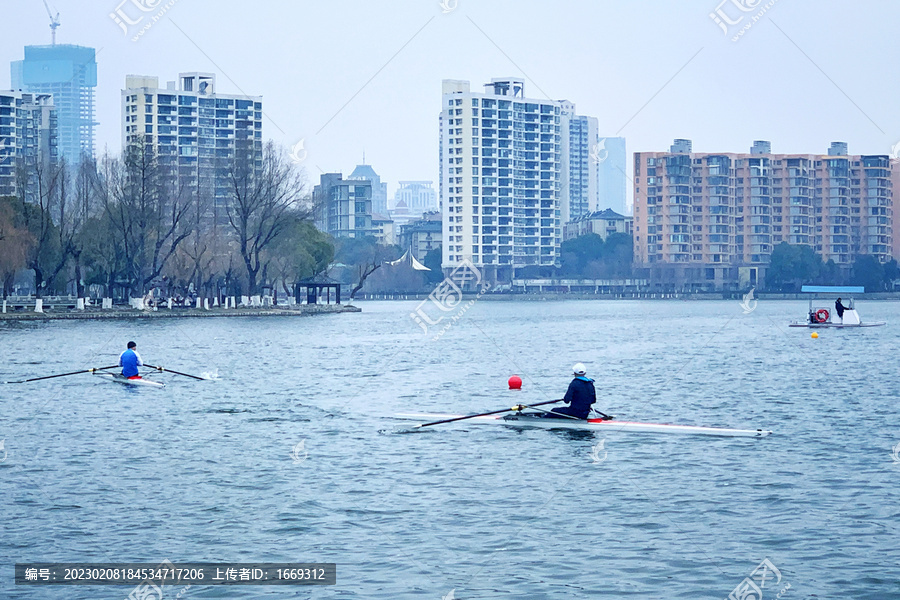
(149, 210)
(266, 189)
(83, 209)
(38, 191)
(15, 243)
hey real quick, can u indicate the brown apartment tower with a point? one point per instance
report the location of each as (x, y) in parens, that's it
(709, 221)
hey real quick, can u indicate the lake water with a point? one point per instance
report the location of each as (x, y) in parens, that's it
(290, 454)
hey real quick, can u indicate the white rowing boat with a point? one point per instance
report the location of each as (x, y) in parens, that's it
(119, 378)
(537, 420)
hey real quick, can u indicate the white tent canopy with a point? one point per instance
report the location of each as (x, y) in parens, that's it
(409, 259)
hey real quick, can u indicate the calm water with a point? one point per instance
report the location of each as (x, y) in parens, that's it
(203, 471)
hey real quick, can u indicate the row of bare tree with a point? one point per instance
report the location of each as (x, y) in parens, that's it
(139, 222)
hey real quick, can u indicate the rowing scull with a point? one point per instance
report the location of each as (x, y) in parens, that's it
(119, 378)
(536, 420)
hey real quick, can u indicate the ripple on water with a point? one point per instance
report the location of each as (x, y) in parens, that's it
(211, 470)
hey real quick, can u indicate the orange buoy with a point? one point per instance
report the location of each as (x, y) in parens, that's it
(515, 382)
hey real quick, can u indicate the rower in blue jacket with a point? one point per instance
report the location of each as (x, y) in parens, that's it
(130, 360)
(579, 397)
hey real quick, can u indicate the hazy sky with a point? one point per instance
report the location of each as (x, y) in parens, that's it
(348, 77)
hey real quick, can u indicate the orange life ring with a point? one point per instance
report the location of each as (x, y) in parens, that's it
(822, 315)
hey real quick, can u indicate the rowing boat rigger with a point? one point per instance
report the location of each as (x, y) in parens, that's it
(529, 419)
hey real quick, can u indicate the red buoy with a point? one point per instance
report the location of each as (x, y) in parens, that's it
(515, 382)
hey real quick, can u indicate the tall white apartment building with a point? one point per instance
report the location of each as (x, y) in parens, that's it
(500, 186)
(29, 136)
(580, 172)
(194, 130)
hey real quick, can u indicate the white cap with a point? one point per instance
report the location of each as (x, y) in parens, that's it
(579, 369)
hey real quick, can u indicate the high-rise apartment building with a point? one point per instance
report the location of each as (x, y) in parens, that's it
(69, 73)
(611, 161)
(379, 188)
(344, 206)
(711, 220)
(500, 186)
(194, 131)
(28, 143)
(580, 173)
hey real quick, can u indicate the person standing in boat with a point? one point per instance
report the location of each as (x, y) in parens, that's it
(579, 397)
(840, 308)
(130, 360)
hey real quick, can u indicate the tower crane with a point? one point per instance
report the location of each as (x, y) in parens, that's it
(54, 22)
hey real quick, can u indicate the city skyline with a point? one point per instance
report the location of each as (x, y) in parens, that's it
(376, 91)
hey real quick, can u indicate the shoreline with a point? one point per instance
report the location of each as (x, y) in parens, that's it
(127, 313)
(874, 296)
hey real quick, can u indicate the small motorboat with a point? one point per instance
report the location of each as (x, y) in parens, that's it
(826, 316)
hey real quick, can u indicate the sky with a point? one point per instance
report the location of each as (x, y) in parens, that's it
(350, 78)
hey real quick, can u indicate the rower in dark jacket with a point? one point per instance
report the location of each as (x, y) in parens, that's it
(580, 396)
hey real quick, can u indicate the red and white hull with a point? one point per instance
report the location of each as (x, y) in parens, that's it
(536, 420)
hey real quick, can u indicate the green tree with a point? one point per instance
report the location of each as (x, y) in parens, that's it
(618, 251)
(869, 272)
(831, 274)
(793, 265)
(300, 252)
(590, 256)
(433, 261)
(575, 254)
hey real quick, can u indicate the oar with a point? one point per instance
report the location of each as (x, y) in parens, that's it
(64, 374)
(493, 412)
(558, 414)
(605, 416)
(160, 369)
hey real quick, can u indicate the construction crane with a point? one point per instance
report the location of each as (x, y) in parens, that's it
(54, 22)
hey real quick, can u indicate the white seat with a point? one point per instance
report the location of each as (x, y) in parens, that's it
(851, 317)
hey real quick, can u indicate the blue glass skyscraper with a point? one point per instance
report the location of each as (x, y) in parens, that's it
(611, 158)
(69, 73)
